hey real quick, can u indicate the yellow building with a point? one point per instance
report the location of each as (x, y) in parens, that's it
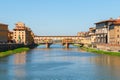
(10, 37)
(85, 37)
(92, 34)
(86, 40)
(83, 34)
(3, 33)
(23, 34)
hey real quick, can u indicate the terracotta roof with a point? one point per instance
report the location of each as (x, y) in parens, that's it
(117, 21)
(110, 20)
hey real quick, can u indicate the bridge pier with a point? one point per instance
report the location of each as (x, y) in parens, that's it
(66, 45)
(48, 45)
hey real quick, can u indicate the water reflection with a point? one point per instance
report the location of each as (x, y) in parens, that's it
(112, 63)
(17, 63)
(59, 64)
(20, 58)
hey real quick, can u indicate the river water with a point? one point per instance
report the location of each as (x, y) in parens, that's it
(58, 63)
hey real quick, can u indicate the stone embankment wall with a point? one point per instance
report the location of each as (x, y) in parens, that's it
(5, 47)
(108, 47)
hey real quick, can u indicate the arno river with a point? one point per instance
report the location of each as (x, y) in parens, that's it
(58, 63)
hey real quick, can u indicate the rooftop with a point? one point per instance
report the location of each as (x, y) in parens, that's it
(117, 21)
(114, 21)
(3, 24)
(110, 20)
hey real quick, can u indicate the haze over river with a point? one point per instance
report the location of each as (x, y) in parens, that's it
(58, 63)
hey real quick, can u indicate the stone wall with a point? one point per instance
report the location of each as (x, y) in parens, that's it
(108, 47)
(5, 47)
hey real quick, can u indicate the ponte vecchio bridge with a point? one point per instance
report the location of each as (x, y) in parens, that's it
(64, 40)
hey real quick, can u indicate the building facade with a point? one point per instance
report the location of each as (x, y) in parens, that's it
(102, 31)
(86, 38)
(10, 37)
(3, 33)
(83, 34)
(92, 35)
(22, 34)
(114, 33)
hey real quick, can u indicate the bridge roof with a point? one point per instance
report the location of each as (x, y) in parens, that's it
(57, 36)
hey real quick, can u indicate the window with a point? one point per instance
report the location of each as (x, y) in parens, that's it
(118, 30)
(117, 36)
(118, 42)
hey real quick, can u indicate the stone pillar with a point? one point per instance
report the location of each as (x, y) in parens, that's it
(67, 45)
(47, 45)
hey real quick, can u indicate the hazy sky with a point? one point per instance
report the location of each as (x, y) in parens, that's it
(57, 17)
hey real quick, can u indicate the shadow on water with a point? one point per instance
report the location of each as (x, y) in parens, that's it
(59, 49)
(56, 46)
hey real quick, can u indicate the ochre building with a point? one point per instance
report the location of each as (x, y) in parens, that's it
(23, 34)
(3, 33)
(114, 33)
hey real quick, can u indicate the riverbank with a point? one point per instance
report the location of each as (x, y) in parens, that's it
(100, 51)
(10, 52)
